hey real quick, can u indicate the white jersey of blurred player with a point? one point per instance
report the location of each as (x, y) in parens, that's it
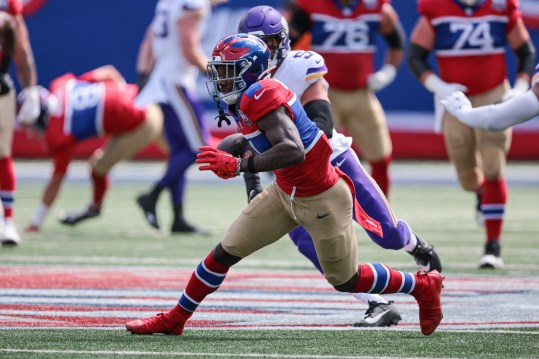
(497, 117)
(171, 67)
(292, 72)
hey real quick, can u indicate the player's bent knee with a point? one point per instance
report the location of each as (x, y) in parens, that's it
(469, 182)
(349, 285)
(223, 257)
(97, 164)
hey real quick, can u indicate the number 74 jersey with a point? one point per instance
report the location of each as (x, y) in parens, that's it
(470, 42)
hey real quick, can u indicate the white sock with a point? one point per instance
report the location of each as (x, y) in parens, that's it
(367, 297)
(412, 243)
(39, 215)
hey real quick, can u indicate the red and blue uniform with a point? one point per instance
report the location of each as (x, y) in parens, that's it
(470, 41)
(88, 109)
(345, 37)
(308, 178)
(314, 175)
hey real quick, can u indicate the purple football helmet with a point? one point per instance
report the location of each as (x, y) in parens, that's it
(266, 22)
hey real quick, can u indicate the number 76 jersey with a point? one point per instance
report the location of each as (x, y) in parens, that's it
(345, 36)
(470, 41)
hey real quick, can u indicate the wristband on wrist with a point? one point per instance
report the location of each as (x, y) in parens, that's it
(251, 164)
(238, 167)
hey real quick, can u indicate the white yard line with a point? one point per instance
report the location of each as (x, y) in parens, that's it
(180, 354)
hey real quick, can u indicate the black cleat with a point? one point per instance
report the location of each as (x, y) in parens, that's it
(147, 203)
(380, 315)
(73, 218)
(425, 255)
(180, 226)
(492, 258)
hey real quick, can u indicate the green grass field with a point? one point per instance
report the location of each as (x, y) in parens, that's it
(479, 322)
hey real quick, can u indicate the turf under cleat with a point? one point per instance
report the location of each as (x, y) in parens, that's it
(170, 323)
(73, 218)
(491, 259)
(428, 299)
(380, 315)
(425, 255)
(147, 203)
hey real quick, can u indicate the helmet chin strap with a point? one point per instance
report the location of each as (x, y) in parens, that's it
(266, 73)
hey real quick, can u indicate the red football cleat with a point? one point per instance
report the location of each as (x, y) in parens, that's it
(170, 323)
(428, 299)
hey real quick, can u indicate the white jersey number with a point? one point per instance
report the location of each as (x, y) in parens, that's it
(160, 23)
(85, 97)
(476, 35)
(355, 34)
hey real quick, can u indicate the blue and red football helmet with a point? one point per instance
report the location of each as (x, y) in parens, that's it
(241, 58)
(266, 22)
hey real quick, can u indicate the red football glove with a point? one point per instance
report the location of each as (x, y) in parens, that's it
(222, 163)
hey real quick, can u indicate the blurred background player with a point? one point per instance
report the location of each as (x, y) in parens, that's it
(469, 38)
(96, 104)
(308, 191)
(171, 54)
(14, 44)
(498, 117)
(303, 72)
(344, 33)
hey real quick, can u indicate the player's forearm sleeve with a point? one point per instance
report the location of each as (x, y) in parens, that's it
(526, 58)
(417, 60)
(395, 39)
(320, 112)
(501, 116)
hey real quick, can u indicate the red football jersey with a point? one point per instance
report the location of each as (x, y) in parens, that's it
(345, 37)
(88, 109)
(470, 42)
(315, 174)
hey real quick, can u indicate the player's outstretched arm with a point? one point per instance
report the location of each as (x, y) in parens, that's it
(497, 117)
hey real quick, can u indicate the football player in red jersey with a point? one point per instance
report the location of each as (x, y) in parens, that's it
(469, 38)
(308, 191)
(96, 104)
(14, 44)
(344, 33)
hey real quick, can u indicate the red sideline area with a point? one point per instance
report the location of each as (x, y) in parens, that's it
(411, 133)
